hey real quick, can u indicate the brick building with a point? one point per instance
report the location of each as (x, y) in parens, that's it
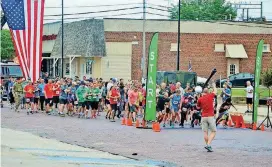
(229, 47)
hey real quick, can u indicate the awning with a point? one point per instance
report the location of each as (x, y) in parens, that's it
(236, 52)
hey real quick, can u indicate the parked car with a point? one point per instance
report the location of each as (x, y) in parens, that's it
(237, 80)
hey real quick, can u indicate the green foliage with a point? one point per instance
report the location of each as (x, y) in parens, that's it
(203, 10)
(267, 78)
(7, 49)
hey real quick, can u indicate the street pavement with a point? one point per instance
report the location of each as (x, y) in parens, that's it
(170, 147)
(26, 149)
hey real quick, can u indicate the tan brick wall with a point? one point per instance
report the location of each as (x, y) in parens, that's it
(199, 48)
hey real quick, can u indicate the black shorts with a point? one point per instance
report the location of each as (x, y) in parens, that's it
(249, 100)
(87, 104)
(63, 101)
(36, 100)
(49, 101)
(107, 101)
(56, 99)
(160, 108)
(140, 104)
(94, 105)
(114, 107)
(29, 99)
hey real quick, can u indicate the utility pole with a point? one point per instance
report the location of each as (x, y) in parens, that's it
(178, 37)
(261, 11)
(144, 56)
(247, 14)
(62, 36)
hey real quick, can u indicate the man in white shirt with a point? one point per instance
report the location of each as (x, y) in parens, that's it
(249, 96)
(178, 86)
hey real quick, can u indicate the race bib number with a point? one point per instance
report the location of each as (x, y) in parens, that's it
(57, 92)
(175, 102)
(27, 100)
(184, 109)
(76, 102)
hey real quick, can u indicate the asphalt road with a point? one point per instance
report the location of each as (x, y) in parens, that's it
(170, 147)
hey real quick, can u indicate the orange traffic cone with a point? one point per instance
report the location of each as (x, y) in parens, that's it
(262, 127)
(137, 124)
(254, 126)
(123, 122)
(143, 124)
(237, 124)
(156, 127)
(129, 122)
(243, 125)
(229, 123)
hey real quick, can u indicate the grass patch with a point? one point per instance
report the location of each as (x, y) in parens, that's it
(240, 92)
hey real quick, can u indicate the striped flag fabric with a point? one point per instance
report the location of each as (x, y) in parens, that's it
(25, 20)
(190, 69)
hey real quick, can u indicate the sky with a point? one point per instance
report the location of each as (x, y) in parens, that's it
(131, 13)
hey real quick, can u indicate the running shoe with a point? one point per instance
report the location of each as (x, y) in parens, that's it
(208, 148)
(170, 123)
(31, 112)
(163, 125)
(173, 126)
(27, 113)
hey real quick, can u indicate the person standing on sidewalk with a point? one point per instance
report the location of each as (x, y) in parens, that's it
(249, 96)
(206, 103)
(18, 93)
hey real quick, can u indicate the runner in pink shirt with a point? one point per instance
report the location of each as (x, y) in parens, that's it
(133, 96)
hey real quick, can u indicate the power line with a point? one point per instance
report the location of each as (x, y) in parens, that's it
(102, 11)
(74, 18)
(126, 4)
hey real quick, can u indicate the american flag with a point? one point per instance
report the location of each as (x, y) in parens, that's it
(25, 20)
(190, 66)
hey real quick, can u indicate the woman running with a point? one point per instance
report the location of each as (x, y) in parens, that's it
(114, 95)
(175, 107)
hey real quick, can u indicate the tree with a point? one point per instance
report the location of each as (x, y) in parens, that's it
(203, 10)
(267, 79)
(7, 48)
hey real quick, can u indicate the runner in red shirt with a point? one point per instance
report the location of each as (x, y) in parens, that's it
(206, 103)
(56, 93)
(114, 95)
(48, 93)
(29, 95)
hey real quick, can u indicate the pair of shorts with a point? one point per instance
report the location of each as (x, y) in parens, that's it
(113, 107)
(175, 108)
(36, 100)
(63, 101)
(208, 123)
(56, 99)
(249, 100)
(49, 101)
(133, 108)
(107, 101)
(94, 105)
(87, 105)
(160, 108)
(29, 99)
(81, 104)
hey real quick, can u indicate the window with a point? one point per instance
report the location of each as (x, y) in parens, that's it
(67, 68)
(266, 48)
(174, 47)
(232, 69)
(89, 67)
(219, 48)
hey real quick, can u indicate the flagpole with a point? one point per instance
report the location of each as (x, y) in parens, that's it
(62, 35)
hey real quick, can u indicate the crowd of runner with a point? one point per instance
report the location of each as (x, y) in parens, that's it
(87, 98)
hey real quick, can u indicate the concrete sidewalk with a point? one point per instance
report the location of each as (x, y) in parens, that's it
(25, 149)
